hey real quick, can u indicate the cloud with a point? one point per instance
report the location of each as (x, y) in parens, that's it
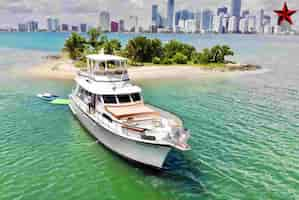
(87, 10)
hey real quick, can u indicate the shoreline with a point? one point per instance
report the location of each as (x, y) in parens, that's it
(61, 67)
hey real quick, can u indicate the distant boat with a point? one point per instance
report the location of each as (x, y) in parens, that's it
(47, 96)
(113, 111)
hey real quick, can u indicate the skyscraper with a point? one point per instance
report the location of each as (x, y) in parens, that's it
(233, 24)
(155, 15)
(50, 24)
(105, 21)
(170, 14)
(33, 26)
(65, 27)
(222, 10)
(206, 21)
(236, 8)
(121, 25)
(133, 24)
(244, 25)
(261, 15)
(23, 28)
(56, 25)
(252, 24)
(114, 26)
(83, 28)
(217, 23)
(53, 24)
(245, 13)
(75, 28)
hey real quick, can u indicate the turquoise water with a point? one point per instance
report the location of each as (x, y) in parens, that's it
(244, 130)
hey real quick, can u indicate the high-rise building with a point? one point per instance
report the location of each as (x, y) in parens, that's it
(121, 25)
(268, 29)
(65, 27)
(105, 21)
(75, 28)
(252, 24)
(53, 24)
(133, 24)
(217, 24)
(236, 8)
(183, 15)
(50, 24)
(267, 19)
(56, 25)
(197, 17)
(83, 28)
(156, 18)
(225, 23)
(206, 20)
(222, 10)
(233, 24)
(114, 26)
(190, 26)
(244, 25)
(23, 27)
(32, 26)
(261, 15)
(155, 15)
(245, 13)
(170, 14)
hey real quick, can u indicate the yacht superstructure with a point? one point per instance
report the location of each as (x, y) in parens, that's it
(112, 109)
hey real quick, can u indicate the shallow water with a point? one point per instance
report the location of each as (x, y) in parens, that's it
(244, 132)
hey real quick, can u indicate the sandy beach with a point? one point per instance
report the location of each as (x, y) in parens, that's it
(63, 68)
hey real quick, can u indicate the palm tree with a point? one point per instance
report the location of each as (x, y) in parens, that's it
(139, 49)
(111, 46)
(93, 35)
(75, 46)
(219, 53)
(227, 51)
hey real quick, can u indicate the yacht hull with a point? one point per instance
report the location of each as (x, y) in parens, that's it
(144, 153)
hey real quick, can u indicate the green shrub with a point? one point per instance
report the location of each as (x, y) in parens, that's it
(195, 57)
(156, 60)
(167, 61)
(174, 46)
(180, 58)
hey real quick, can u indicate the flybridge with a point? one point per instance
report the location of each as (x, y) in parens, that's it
(105, 68)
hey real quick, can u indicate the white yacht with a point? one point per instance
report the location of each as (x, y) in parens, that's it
(113, 111)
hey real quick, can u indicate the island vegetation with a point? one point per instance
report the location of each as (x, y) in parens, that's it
(143, 51)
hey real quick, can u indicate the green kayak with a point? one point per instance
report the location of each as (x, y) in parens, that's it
(60, 101)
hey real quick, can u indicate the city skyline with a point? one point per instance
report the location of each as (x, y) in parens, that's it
(82, 11)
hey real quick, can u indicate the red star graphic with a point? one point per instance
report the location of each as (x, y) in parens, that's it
(285, 14)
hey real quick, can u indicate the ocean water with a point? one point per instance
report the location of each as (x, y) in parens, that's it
(244, 129)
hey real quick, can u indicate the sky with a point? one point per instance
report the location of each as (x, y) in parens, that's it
(13, 12)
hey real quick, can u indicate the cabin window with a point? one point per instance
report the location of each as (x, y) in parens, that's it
(109, 99)
(99, 99)
(124, 99)
(107, 118)
(136, 97)
(81, 93)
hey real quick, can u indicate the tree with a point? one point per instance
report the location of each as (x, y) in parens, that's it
(75, 46)
(93, 35)
(227, 51)
(111, 46)
(174, 46)
(139, 49)
(219, 52)
(180, 58)
(205, 56)
(156, 48)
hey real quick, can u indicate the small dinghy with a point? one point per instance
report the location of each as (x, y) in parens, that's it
(47, 96)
